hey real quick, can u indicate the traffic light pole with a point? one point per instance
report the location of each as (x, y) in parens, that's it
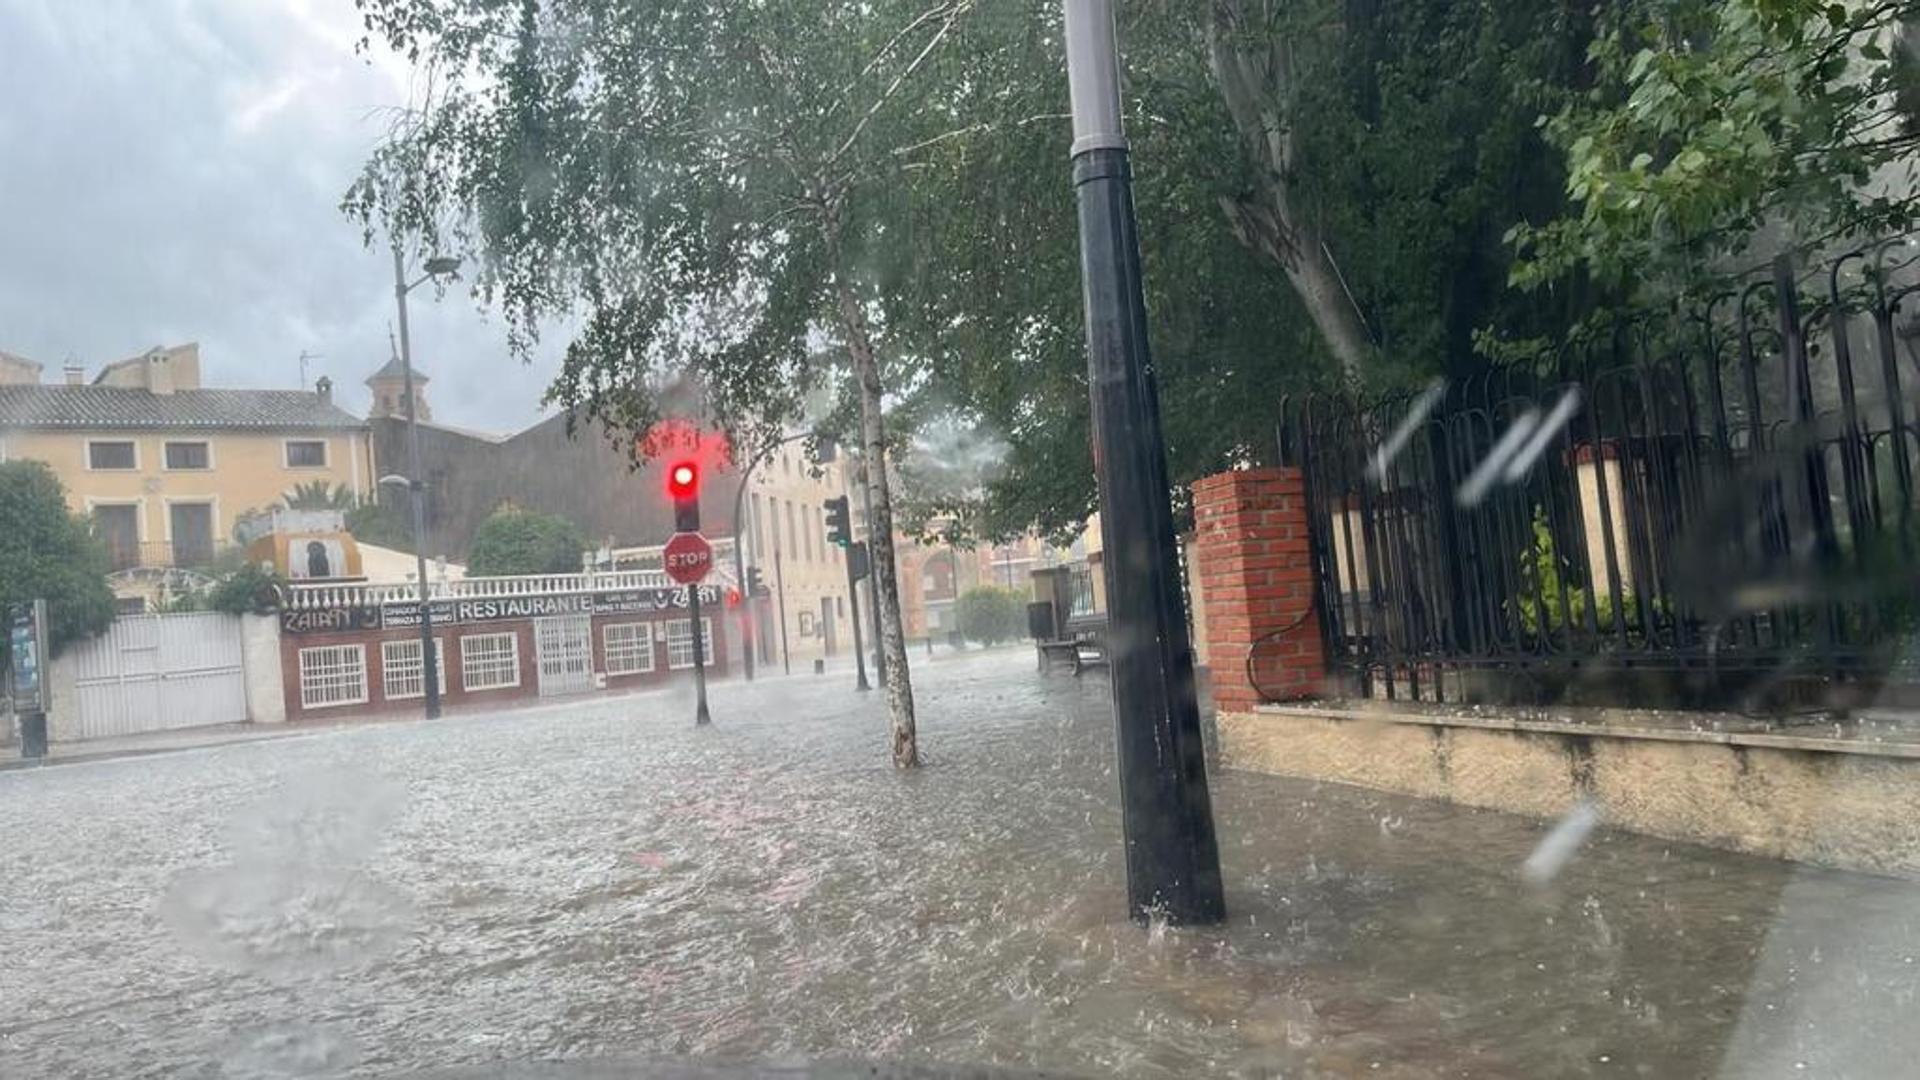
(683, 486)
(873, 599)
(859, 650)
(1172, 854)
(700, 714)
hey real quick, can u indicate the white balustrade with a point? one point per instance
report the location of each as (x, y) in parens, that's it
(308, 597)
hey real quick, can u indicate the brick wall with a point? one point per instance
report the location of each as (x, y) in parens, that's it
(721, 619)
(1256, 585)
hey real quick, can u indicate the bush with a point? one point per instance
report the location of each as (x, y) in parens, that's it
(248, 589)
(515, 541)
(990, 615)
(50, 554)
(387, 525)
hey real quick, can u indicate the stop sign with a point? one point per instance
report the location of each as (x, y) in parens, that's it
(688, 557)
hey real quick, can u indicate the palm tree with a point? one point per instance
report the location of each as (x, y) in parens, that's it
(319, 495)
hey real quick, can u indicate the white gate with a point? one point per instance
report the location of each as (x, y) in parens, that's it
(564, 646)
(156, 672)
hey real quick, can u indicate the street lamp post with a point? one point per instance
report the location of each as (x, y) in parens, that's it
(416, 484)
(1173, 857)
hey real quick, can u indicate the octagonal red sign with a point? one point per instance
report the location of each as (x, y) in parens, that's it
(688, 557)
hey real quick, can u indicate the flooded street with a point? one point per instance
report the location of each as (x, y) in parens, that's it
(603, 879)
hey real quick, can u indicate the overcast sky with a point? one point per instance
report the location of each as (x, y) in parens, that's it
(169, 172)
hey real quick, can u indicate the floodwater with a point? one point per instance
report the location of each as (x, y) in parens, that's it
(605, 880)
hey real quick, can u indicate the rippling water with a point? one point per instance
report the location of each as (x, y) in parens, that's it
(604, 879)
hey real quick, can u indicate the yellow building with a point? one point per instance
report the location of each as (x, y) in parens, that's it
(786, 537)
(165, 467)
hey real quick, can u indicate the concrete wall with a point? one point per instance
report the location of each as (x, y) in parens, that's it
(260, 656)
(1852, 805)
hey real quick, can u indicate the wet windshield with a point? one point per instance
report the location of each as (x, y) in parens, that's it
(959, 537)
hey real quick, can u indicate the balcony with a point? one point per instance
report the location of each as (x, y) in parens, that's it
(162, 554)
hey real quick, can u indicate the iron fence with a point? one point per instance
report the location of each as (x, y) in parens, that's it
(1708, 508)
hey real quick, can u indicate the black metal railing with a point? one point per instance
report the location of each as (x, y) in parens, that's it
(1715, 508)
(123, 554)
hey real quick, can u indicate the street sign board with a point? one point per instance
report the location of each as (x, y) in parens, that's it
(688, 558)
(27, 656)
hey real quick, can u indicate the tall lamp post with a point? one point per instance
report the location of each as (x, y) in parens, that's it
(1173, 857)
(436, 267)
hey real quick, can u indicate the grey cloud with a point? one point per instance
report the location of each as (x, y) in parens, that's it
(170, 170)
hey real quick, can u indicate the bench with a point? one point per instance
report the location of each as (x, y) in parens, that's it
(1084, 646)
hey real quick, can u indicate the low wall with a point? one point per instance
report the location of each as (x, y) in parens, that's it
(1847, 803)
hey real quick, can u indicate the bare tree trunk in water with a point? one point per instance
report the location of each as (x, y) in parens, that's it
(1256, 75)
(886, 586)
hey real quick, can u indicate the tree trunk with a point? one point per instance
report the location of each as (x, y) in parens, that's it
(1255, 72)
(886, 585)
(1298, 251)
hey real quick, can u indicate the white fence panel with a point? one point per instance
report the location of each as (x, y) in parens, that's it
(158, 672)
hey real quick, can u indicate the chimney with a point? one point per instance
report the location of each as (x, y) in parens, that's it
(76, 374)
(159, 372)
(324, 387)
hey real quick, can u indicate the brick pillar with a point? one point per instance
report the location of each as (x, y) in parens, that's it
(1256, 578)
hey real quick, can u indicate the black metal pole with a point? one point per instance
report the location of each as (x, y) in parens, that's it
(746, 594)
(1173, 858)
(859, 650)
(873, 602)
(700, 715)
(417, 487)
(780, 591)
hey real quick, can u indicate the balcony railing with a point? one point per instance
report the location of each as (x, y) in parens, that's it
(362, 594)
(163, 554)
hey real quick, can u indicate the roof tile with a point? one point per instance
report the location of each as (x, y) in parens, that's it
(122, 407)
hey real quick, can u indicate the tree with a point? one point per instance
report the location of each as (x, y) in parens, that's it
(319, 495)
(991, 615)
(246, 589)
(47, 553)
(515, 541)
(1717, 132)
(705, 184)
(382, 524)
(1412, 137)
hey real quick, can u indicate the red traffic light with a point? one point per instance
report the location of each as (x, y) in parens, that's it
(683, 480)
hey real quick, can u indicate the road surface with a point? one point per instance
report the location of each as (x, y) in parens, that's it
(607, 880)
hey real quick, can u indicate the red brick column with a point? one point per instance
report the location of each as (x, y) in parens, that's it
(1256, 577)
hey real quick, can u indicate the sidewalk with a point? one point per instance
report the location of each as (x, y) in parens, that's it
(200, 738)
(167, 742)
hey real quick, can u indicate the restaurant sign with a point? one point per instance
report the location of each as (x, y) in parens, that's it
(459, 611)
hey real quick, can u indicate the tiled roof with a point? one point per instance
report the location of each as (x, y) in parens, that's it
(121, 407)
(392, 370)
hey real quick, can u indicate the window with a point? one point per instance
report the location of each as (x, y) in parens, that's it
(759, 552)
(629, 648)
(793, 544)
(489, 661)
(306, 454)
(400, 674)
(333, 675)
(118, 454)
(811, 517)
(680, 642)
(189, 455)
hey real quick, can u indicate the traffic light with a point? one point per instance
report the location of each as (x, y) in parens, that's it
(839, 526)
(755, 587)
(683, 486)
